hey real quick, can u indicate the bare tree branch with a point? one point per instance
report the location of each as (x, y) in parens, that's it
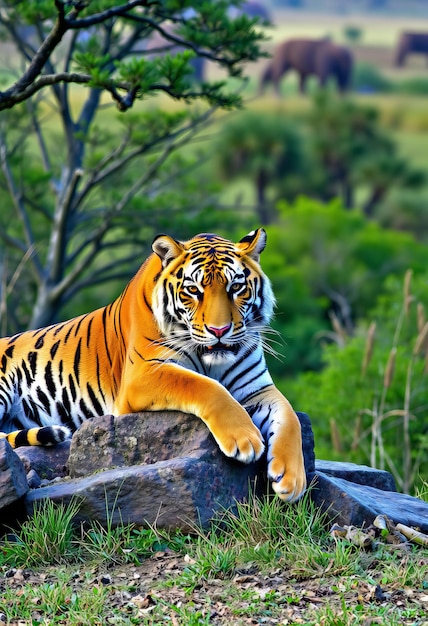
(40, 58)
(20, 209)
(59, 235)
(12, 242)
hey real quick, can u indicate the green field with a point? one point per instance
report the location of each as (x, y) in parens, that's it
(378, 29)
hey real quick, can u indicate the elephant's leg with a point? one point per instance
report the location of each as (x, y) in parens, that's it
(278, 74)
(323, 81)
(302, 82)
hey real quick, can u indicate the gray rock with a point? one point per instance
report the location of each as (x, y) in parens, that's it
(33, 479)
(153, 436)
(160, 468)
(360, 474)
(13, 479)
(308, 445)
(348, 503)
(166, 469)
(178, 493)
(138, 439)
(47, 462)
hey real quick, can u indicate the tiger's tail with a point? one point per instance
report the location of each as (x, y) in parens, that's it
(39, 436)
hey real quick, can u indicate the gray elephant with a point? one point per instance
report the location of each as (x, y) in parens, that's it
(309, 57)
(411, 43)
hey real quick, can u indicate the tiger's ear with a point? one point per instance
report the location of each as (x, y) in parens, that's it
(166, 248)
(254, 243)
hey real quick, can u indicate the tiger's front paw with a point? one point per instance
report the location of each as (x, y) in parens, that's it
(288, 477)
(244, 443)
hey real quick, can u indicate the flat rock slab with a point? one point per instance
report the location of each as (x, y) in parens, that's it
(349, 503)
(360, 474)
(179, 493)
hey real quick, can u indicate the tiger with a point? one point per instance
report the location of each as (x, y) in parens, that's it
(186, 334)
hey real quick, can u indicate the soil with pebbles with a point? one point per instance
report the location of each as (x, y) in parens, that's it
(149, 593)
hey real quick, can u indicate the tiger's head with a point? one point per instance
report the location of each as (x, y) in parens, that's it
(211, 296)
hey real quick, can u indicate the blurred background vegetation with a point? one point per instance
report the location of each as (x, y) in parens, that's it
(339, 182)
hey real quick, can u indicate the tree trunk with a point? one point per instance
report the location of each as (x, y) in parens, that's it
(263, 210)
(374, 199)
(44, 310)
(348, 194)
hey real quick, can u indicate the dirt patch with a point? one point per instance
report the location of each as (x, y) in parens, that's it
(155, 592)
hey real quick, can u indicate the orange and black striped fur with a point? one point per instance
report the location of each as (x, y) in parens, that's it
(184, 335)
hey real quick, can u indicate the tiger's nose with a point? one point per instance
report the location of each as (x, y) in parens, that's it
(219, 332)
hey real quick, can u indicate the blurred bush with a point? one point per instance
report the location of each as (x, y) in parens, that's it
(268, 150)
(417, 86)
(353, 34)
(367, 78)
(368, 404)
(324, 260)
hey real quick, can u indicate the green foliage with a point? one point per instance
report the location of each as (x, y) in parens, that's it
(55, 601)
(49, 537)
(354, 152)
(253, 141)
(267, 520)
(416, 86)
(92, 60)
(260, 531)
(405, 211)
(103, 59)
(368, 403)
(367, 78)
(260, 560)
(336, 150)
(31, 12)
(353, 33)
(266, 149)
(120, 544)
(322, 259)
(209, 28)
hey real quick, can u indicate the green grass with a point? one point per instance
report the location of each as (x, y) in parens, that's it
(268, 562)
(47, 539)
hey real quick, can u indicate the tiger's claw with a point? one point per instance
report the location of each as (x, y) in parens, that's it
(246, 448)
(288, 485)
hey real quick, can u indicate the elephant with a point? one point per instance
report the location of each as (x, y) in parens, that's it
(309, 57)
(410, 43)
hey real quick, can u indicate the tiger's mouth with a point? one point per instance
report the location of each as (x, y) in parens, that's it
(219, 348)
